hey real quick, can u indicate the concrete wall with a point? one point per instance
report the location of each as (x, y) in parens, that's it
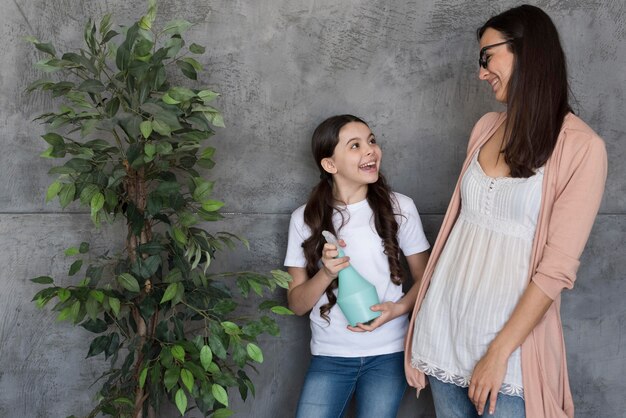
(282, 66)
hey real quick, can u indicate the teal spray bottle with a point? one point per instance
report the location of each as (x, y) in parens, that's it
(356, 295)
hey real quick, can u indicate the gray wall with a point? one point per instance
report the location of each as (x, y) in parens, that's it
(282, 66)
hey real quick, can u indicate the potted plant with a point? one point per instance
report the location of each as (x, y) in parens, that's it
(132, 143)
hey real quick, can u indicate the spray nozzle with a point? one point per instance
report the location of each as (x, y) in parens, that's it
(330, 238)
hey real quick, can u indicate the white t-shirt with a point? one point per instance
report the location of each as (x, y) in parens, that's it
(365, 248)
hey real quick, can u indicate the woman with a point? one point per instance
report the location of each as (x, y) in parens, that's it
(486, 326)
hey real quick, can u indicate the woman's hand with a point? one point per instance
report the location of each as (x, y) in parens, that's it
(333, 265)
(486, 380)
(388, 311)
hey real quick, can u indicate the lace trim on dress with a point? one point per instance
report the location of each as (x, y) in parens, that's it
(446, 377)
(498, 225)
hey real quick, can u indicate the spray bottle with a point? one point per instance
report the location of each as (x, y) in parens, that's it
(356, 295)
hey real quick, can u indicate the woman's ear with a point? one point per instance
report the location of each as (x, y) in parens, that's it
(328, 165)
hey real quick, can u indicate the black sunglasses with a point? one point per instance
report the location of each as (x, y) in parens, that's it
(482, 59)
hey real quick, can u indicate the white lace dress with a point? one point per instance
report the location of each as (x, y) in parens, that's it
(479, 278)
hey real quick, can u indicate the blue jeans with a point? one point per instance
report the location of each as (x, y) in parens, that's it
(452, 401)
(377, 382)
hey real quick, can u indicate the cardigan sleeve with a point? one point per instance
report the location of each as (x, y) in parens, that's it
(581, 176)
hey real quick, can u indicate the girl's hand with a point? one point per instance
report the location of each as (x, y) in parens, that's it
(486, 381)
(333, 265)
(388, 310)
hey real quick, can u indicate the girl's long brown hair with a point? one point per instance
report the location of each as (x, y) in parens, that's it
(537, 93)
(321, 205)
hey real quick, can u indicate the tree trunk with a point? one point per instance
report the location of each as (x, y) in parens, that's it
(136, 191)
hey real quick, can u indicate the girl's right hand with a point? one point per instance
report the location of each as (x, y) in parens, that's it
(333, 265)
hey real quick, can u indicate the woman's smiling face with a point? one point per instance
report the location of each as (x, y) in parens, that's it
(500, 61)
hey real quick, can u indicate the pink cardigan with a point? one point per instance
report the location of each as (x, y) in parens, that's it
(572, 191)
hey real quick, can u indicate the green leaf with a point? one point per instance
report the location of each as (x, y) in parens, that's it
(79, 164)
(113, 345)
(196, 49)
(96, 326)
(169, 118)
(178, 352)
(203, 191)
(169, 100)
(80, 61)
(53, 190)
(218, 120)
(145, 23)
(91, 306)
(114, 303)
(84, 282)
(76, 265)
(64, 314)
(195, 64)
(149, 149)
(231, 328)
(53, 139)
(181, 401)
(142, 377)
(175, 275)
(207, 95)
(255, 352)
(281, 310)
(222, 413)
(171, 377)
(187, 70)
(206, 356)
(220, 394)
(112, 106)
(64, 295)
(170, 292)
(164, 148)
(84, 247)
(161, 127)
(181, 94)
(176, 26)
(187, 377)
(42, 280)
(109, 35)
(212, 205)
(179, 235)
(47, 48)
(97, 202)
(66, 195)
(146, 128)
(128, 282)
(282, 278)
(91, 86)
(146, 268)
(173, 45)
(217, 346)
(98, 345)
(98, 295)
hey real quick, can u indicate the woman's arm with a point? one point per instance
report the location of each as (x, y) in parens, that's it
(391, 310)
(304, 292)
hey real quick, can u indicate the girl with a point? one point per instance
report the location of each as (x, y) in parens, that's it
(488, 331)
(353, 201)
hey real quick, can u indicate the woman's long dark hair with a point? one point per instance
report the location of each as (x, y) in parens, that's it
(319, 209)
(537, 92)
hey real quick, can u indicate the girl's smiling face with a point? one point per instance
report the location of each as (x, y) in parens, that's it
(356, 159)
(500, 61)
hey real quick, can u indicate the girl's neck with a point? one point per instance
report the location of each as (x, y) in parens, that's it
(348, 195)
